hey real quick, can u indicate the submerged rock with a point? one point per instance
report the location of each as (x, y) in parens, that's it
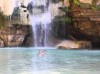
(74, 45)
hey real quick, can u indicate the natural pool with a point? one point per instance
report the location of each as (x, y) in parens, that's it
(27, 61)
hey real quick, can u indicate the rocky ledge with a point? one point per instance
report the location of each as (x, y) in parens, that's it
(16, 35)
(67, 44)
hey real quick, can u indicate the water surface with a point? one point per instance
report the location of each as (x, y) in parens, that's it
(28, 61)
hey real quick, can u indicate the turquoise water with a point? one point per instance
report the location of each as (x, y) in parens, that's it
(28, 61)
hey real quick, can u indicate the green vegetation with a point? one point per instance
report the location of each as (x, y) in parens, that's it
(94, 7)
(2, 20)
(63, 19)
(65, 9)
(78, 3)
(67, 19)
(16, 12)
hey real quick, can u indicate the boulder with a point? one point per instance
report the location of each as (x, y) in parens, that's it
(67, 44)
(1, 43)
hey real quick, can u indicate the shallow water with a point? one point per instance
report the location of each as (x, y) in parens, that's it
(28, 61)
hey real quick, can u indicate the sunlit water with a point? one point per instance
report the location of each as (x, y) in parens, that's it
(28, 61)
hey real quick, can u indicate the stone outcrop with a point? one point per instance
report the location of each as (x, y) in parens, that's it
(87, 21)
(1, 43)
(16, 35)
(15, 40)
(74, 45)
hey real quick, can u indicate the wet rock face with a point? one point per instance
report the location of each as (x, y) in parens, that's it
(16, 36)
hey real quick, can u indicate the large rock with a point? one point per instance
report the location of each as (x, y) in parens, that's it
(1, 43)
(74, 44)
(15, 40)
(15, 35)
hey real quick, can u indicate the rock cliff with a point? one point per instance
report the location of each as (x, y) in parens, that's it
(86, 21)
(16, 35)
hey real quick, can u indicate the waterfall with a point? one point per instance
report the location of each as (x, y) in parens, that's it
(40, 19)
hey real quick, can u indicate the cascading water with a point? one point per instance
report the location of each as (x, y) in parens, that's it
(40, 18)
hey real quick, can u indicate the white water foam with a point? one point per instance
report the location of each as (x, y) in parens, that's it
(41, 23)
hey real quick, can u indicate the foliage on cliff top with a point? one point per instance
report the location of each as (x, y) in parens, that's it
(93, 6)
(76, 2)
(2, 20)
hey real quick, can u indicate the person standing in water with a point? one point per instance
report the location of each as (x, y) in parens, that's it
(42, 52)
